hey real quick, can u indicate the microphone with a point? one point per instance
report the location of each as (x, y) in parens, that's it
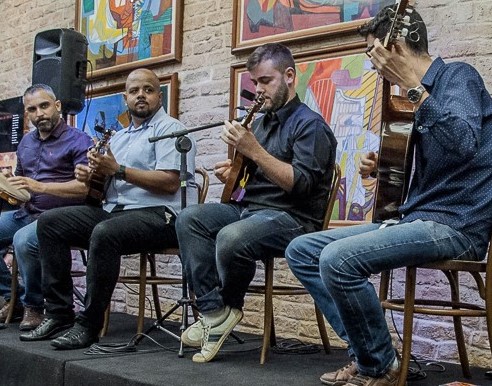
(246, 94)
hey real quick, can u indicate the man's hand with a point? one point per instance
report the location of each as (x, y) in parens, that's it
(242, 139)
(104, 164)
(27, 183)
(222, 170)
(83, 173)
(396, 64)
(368, 164)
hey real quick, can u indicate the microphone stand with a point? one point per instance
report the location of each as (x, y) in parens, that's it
(183, 145)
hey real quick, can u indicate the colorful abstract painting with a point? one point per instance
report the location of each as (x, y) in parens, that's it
(260, 21)
(107, 108)
(347, 92)
(124, 34)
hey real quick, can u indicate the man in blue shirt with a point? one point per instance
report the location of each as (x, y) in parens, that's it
(138, 214)
(447, 212)
(292, 151)
(46, 159)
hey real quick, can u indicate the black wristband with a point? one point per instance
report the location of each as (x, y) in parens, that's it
(121, 173)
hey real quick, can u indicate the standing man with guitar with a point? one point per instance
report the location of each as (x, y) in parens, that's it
(138, 214)
(447, 212)
(280, 192)
(46, 159)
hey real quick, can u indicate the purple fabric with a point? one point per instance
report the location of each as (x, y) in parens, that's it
(51, 160)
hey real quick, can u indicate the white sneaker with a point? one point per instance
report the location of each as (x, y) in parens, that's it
(193, 335)
(214, 336)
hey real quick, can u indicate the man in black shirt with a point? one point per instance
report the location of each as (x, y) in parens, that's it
(293, 153)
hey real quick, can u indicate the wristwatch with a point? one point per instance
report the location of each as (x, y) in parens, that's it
(414, 94)
(120, 173)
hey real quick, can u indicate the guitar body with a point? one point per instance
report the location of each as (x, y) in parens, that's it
(395, 150)
(239, 172)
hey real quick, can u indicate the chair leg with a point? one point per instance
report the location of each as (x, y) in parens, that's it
(141, 292)
(458, 326)
(104, 329)
(268, 317)
(411, 273)
(322, 329)
(13, 289)
(155, 290)
(384, 286)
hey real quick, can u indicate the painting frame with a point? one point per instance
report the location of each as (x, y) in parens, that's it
(174, 55)
(353, 182)
(239, 44)
(168, 81)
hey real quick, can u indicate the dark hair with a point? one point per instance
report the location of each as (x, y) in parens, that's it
(40, 86)
(278, 53)
(379, 26)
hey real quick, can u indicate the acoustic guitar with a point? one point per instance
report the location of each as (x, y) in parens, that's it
(97, 181)
(239, 173)
(395, 154)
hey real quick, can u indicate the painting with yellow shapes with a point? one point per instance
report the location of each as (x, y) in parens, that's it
(125, 34)
(347, 92)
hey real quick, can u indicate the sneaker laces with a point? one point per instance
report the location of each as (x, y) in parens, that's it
(206, 331)
(75, 332)
(359, 380)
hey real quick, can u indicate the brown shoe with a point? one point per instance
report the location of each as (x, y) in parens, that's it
(4, 312)
(341, 376)
(388, 379)
(31, 319)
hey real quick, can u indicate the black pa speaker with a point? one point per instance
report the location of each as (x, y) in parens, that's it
(60, 61)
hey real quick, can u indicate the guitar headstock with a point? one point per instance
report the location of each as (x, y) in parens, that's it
(253, 109)
(400, 23)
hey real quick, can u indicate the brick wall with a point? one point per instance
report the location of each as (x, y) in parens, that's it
(458, 30)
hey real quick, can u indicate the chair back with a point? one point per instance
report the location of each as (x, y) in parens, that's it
(335, 185)
(203, 186)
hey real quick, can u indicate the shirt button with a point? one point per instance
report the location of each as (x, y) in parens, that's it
(420, 128)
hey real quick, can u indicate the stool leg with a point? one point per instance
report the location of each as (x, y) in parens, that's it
(322, 329)
(458, 326)
(141, 292)
(155, 290)
(411, 273)
(13, 289)
(268, 317)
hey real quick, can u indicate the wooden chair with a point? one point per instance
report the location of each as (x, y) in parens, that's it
(480, 271)
(269, 289)
(15, 282)
(143, 278)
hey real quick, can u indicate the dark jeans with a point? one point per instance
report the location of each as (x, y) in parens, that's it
(106, 236)
(220, 244)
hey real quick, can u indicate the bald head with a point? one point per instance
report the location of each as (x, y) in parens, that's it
(143, 95)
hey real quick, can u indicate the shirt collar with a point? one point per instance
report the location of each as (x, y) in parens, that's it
(148, 122)
(287, 110)
(431, 74)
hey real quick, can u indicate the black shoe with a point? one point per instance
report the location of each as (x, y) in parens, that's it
(2, 326)
(46, 330)
(77, 337)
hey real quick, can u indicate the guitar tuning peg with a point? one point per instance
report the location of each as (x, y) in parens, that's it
(406, 20)
(404, 32)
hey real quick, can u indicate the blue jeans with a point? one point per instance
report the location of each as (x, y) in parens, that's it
(19, 229)
(220, 244)
(335, 267)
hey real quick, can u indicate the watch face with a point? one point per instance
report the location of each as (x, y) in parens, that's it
(414, 95)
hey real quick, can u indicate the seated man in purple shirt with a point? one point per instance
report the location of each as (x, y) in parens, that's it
(46, 159)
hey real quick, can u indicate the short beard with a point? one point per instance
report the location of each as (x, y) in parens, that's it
(143, 114)
(280, 98)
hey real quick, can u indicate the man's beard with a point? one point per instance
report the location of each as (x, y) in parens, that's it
(46, 125)
(279, 99)
(141, 113)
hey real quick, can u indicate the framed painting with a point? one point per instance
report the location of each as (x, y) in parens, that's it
(106, 107)
(347, 92)
(127, 34)
(256, 22)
